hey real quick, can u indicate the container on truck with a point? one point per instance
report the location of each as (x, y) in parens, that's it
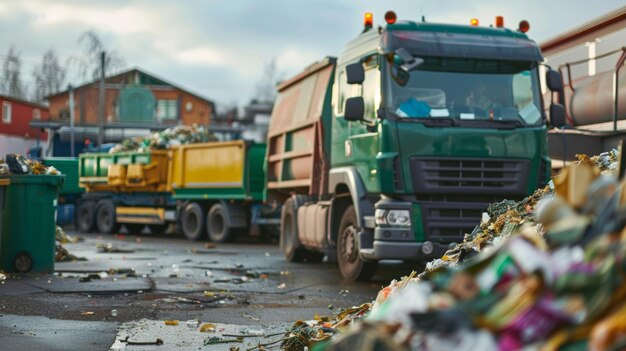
(208, 189)
(394, 149)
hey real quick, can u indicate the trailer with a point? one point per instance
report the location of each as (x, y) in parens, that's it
(211, 188)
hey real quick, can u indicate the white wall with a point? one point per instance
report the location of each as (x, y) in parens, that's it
(13, 144)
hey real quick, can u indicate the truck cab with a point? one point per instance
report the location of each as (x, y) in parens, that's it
(426, 125)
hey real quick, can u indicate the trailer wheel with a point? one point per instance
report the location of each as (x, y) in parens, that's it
(105, 217)
(289, 241)
(350, 264)
(218, 224)
(86, 216)
(192, 221)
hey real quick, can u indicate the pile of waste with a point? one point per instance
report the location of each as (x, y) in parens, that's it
(179, 135)
(61, 254)
(17, 164)
(555, 283)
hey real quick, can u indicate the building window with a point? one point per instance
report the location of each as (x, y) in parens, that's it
(6, 112)
(167, 109)
(36, 114)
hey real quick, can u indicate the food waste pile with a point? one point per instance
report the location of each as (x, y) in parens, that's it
(544, 273)
(179, 135)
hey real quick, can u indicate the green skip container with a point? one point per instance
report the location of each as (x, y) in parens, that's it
(27, 239)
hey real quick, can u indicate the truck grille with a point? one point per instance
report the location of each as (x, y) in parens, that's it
(453, 192)
(469, 175)
(447, 218)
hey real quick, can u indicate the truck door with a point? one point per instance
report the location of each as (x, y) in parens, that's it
(356, 143)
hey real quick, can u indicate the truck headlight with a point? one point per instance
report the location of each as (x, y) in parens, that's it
(400, 218)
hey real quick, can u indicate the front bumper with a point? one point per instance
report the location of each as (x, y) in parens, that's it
(406, 251)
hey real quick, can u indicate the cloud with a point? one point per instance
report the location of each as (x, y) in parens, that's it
(219, 49)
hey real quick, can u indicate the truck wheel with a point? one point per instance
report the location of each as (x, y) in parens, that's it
(86, 216)
(350, 264)
(289, 241)
(218, 224)
(192, 221)
(105, 218)
(134, 228)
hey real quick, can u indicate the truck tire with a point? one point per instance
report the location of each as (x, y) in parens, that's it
(192, 221)
(289, 241)
(218, 224)
(351, 265)
(105, 217)
(86, 216)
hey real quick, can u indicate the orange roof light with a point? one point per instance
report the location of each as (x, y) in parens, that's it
(524, 26)
(368, 20)
(390, 17)
(499, 21)
(474, 21)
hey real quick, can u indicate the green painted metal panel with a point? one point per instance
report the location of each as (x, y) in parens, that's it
(255, 170)
(211, 194)
(69, 167)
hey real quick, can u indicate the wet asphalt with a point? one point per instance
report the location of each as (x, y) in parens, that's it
(129, 285)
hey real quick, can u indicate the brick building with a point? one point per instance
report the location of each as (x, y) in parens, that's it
(133, 97)
(16, 135)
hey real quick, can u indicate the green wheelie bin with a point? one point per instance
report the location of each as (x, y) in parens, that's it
(27, 239)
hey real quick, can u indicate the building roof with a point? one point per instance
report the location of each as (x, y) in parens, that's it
(586, 28)
(157, 80)
(25, 102)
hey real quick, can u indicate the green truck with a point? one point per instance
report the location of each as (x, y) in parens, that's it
(394, 150)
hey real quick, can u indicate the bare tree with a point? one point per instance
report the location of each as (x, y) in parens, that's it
(266, 87)
(89, 62)
(11, 83)
(49, 77)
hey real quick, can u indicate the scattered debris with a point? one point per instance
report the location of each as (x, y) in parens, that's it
(158, 341)
(171, 322)
(217, 340)
(207, 327)
(251, 317)
(281, 286)
(110, 248)
(87, 313)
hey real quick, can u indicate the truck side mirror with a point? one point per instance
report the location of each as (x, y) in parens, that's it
(355, 109)
(554, 81)
(355, 73)
(557, 115)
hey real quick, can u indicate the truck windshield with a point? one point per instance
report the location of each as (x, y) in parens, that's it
(467, 90)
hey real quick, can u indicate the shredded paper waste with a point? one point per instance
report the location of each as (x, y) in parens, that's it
(17, 164)
(544, 273)
(179, 135)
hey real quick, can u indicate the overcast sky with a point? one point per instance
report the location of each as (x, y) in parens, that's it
(218, 48)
